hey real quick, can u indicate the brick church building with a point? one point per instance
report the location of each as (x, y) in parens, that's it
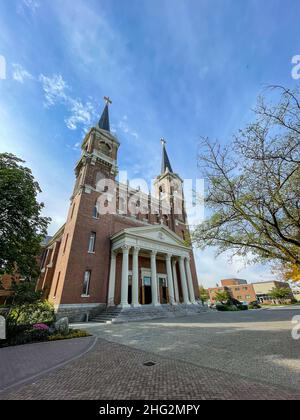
(119, 246)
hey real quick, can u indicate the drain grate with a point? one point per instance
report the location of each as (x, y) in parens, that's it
(149, 363)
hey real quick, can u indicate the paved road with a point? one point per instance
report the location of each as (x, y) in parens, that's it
(254, 344)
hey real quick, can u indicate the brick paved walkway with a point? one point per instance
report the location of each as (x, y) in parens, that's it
(17, 363)
(114, 371)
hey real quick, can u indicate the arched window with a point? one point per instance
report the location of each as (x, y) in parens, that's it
(122, 207)
(105, 148)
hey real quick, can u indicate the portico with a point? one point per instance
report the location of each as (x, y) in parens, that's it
(160, 268)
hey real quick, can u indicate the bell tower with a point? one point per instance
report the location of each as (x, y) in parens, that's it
(169, 189)
(99, 151)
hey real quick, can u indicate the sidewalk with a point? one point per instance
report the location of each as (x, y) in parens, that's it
(18, 363)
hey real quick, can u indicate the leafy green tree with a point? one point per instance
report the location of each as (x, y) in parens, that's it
(280, 293)
(222, 296)
(21, 225)
(253, 185)
(26, 305)
(24, 293)
(203, 294)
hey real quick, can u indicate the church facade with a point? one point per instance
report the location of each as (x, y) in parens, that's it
(119, 246)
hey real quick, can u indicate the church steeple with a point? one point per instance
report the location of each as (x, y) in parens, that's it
(165, 163)
(104, 119)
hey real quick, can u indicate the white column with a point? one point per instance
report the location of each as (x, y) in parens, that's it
(154, 279)
(124, 281)
(190, 280)
(183, 281)
(170, 278)
(112, 280)
(175, 281)
(135, 276)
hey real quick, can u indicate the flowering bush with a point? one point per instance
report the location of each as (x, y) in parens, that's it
(40, 327)
(39, 332)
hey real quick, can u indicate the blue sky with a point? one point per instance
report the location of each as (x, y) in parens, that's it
(177, 69)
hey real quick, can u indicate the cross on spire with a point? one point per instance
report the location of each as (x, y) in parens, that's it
(107, 100)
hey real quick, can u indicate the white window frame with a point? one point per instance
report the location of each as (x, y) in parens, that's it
(87, 289)
(92, 243)
(96, 211)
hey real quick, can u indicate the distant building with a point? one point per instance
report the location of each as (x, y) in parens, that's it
(232, 282)
(264, 288)
(238, 289)
(296, 290)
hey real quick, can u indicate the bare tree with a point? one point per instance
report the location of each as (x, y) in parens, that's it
(253, 184)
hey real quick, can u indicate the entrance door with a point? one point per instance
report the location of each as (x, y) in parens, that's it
(146, 291)
(130, 289)
(163, 289)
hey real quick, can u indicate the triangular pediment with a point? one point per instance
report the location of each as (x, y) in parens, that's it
(156, 233)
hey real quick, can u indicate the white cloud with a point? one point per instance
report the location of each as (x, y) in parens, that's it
(80, 114)
(20, 74)
(212, 269)
(56, 91)
(124, 126)
(31, 5)
(54, 88)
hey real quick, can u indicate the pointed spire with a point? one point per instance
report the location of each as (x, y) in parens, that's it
(104, 119)
(165, 163)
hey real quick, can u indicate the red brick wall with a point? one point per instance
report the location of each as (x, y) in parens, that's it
(72, 259)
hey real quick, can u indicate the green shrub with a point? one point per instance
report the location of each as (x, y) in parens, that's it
(242, 307)
(32, 313)
(232, 308)
(23, 333)
(222, 307)
(254, 306)
(72, 334)
(38, 335)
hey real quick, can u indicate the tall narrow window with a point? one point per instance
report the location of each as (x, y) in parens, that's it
(56, 286)
(86, 283)
(92, 242)
(73, 207)
(66, 241)
(96, 210)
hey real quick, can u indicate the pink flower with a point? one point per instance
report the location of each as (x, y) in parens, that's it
(40, 327)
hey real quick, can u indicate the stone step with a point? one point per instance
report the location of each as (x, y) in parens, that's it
(119, 315)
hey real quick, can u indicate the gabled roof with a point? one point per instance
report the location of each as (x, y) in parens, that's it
(156, 233)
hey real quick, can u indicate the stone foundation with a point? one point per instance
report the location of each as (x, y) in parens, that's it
(78, 312)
